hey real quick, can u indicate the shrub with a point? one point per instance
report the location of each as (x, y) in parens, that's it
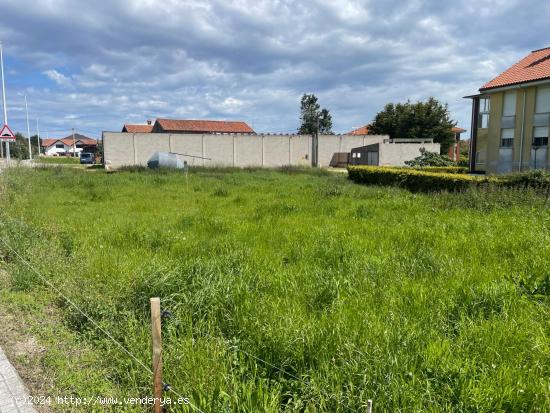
(412, 179)
(464, 161)
(430, 159)
(443, 169)
(537, 179)
(434, 179)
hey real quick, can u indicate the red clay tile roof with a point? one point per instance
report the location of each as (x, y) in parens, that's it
(535, 66)
(48, 142)
(137, 128)
(69, 140)
(363, 130)
(84, 141)
(456, 129)
(204, 126)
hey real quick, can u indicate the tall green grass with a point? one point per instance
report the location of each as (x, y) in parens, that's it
(419, 302)
(58, 160)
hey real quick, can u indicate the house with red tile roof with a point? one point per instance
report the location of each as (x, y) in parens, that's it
(68, 146)
(511, 118)
(134, 128)
(200, 126)
(363, 130)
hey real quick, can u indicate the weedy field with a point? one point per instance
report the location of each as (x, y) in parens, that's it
(421, 302)
(63, 160)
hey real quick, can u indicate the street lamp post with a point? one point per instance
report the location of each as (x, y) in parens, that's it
(28, 129)
(4, 101)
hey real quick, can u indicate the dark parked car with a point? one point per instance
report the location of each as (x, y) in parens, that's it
(87, 158)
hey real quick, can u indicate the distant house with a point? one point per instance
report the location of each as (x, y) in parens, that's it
(511, 118)
(68, 145)
(454, 149)
(363, 130)
(133, 128)
(200, 126)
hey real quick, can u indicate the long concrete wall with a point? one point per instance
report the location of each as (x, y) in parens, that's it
(270, 151)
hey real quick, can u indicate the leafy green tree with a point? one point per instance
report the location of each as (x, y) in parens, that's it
(20, 148)
(100, 149)
(420, 120)
(313, 117)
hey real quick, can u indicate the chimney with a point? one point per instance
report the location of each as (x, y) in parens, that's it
(149, 121)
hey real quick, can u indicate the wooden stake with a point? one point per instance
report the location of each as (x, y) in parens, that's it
(369, 406)
(157, 353)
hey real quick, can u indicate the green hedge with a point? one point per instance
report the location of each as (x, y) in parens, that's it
(538, 180)
(444, 169)
(431, 179)
(413, 179)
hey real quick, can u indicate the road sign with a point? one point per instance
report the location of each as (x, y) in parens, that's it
(6, 135)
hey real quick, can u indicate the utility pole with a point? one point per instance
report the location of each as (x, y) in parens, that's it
(4, 100)
(74, 146)
(315, 149)
(28, 129)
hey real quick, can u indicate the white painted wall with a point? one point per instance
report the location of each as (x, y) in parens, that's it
(53, 150)
(395, 154)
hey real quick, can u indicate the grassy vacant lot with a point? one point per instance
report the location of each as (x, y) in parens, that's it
(421, 302)
(64, 160)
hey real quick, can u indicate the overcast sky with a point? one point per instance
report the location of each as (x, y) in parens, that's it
(95, 65)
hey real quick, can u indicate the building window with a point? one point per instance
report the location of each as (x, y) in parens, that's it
(79, 145)
(540, 136)
(358, 154)
(542, 104)
(509, 108)
(484, 110)
(506, 138)
(59, 145)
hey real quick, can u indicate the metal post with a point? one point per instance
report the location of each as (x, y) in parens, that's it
(522, 131)
(4, 100)
(74, 145)
(28, 128)
(37, 137)
(473, 134)
(157, 353)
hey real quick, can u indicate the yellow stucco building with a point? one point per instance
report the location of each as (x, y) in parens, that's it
(511, 118)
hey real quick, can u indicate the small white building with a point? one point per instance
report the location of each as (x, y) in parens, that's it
(68, 146)
(391, 152)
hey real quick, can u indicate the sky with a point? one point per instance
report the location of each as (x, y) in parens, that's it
(94, 66)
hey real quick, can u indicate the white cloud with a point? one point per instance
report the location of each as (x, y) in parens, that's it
(58, 78)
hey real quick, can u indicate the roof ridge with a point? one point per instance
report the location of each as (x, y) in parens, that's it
(533, 67)
(200, 120)
(539, 61)
(541, 49)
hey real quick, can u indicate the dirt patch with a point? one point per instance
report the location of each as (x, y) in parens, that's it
(23, 350)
